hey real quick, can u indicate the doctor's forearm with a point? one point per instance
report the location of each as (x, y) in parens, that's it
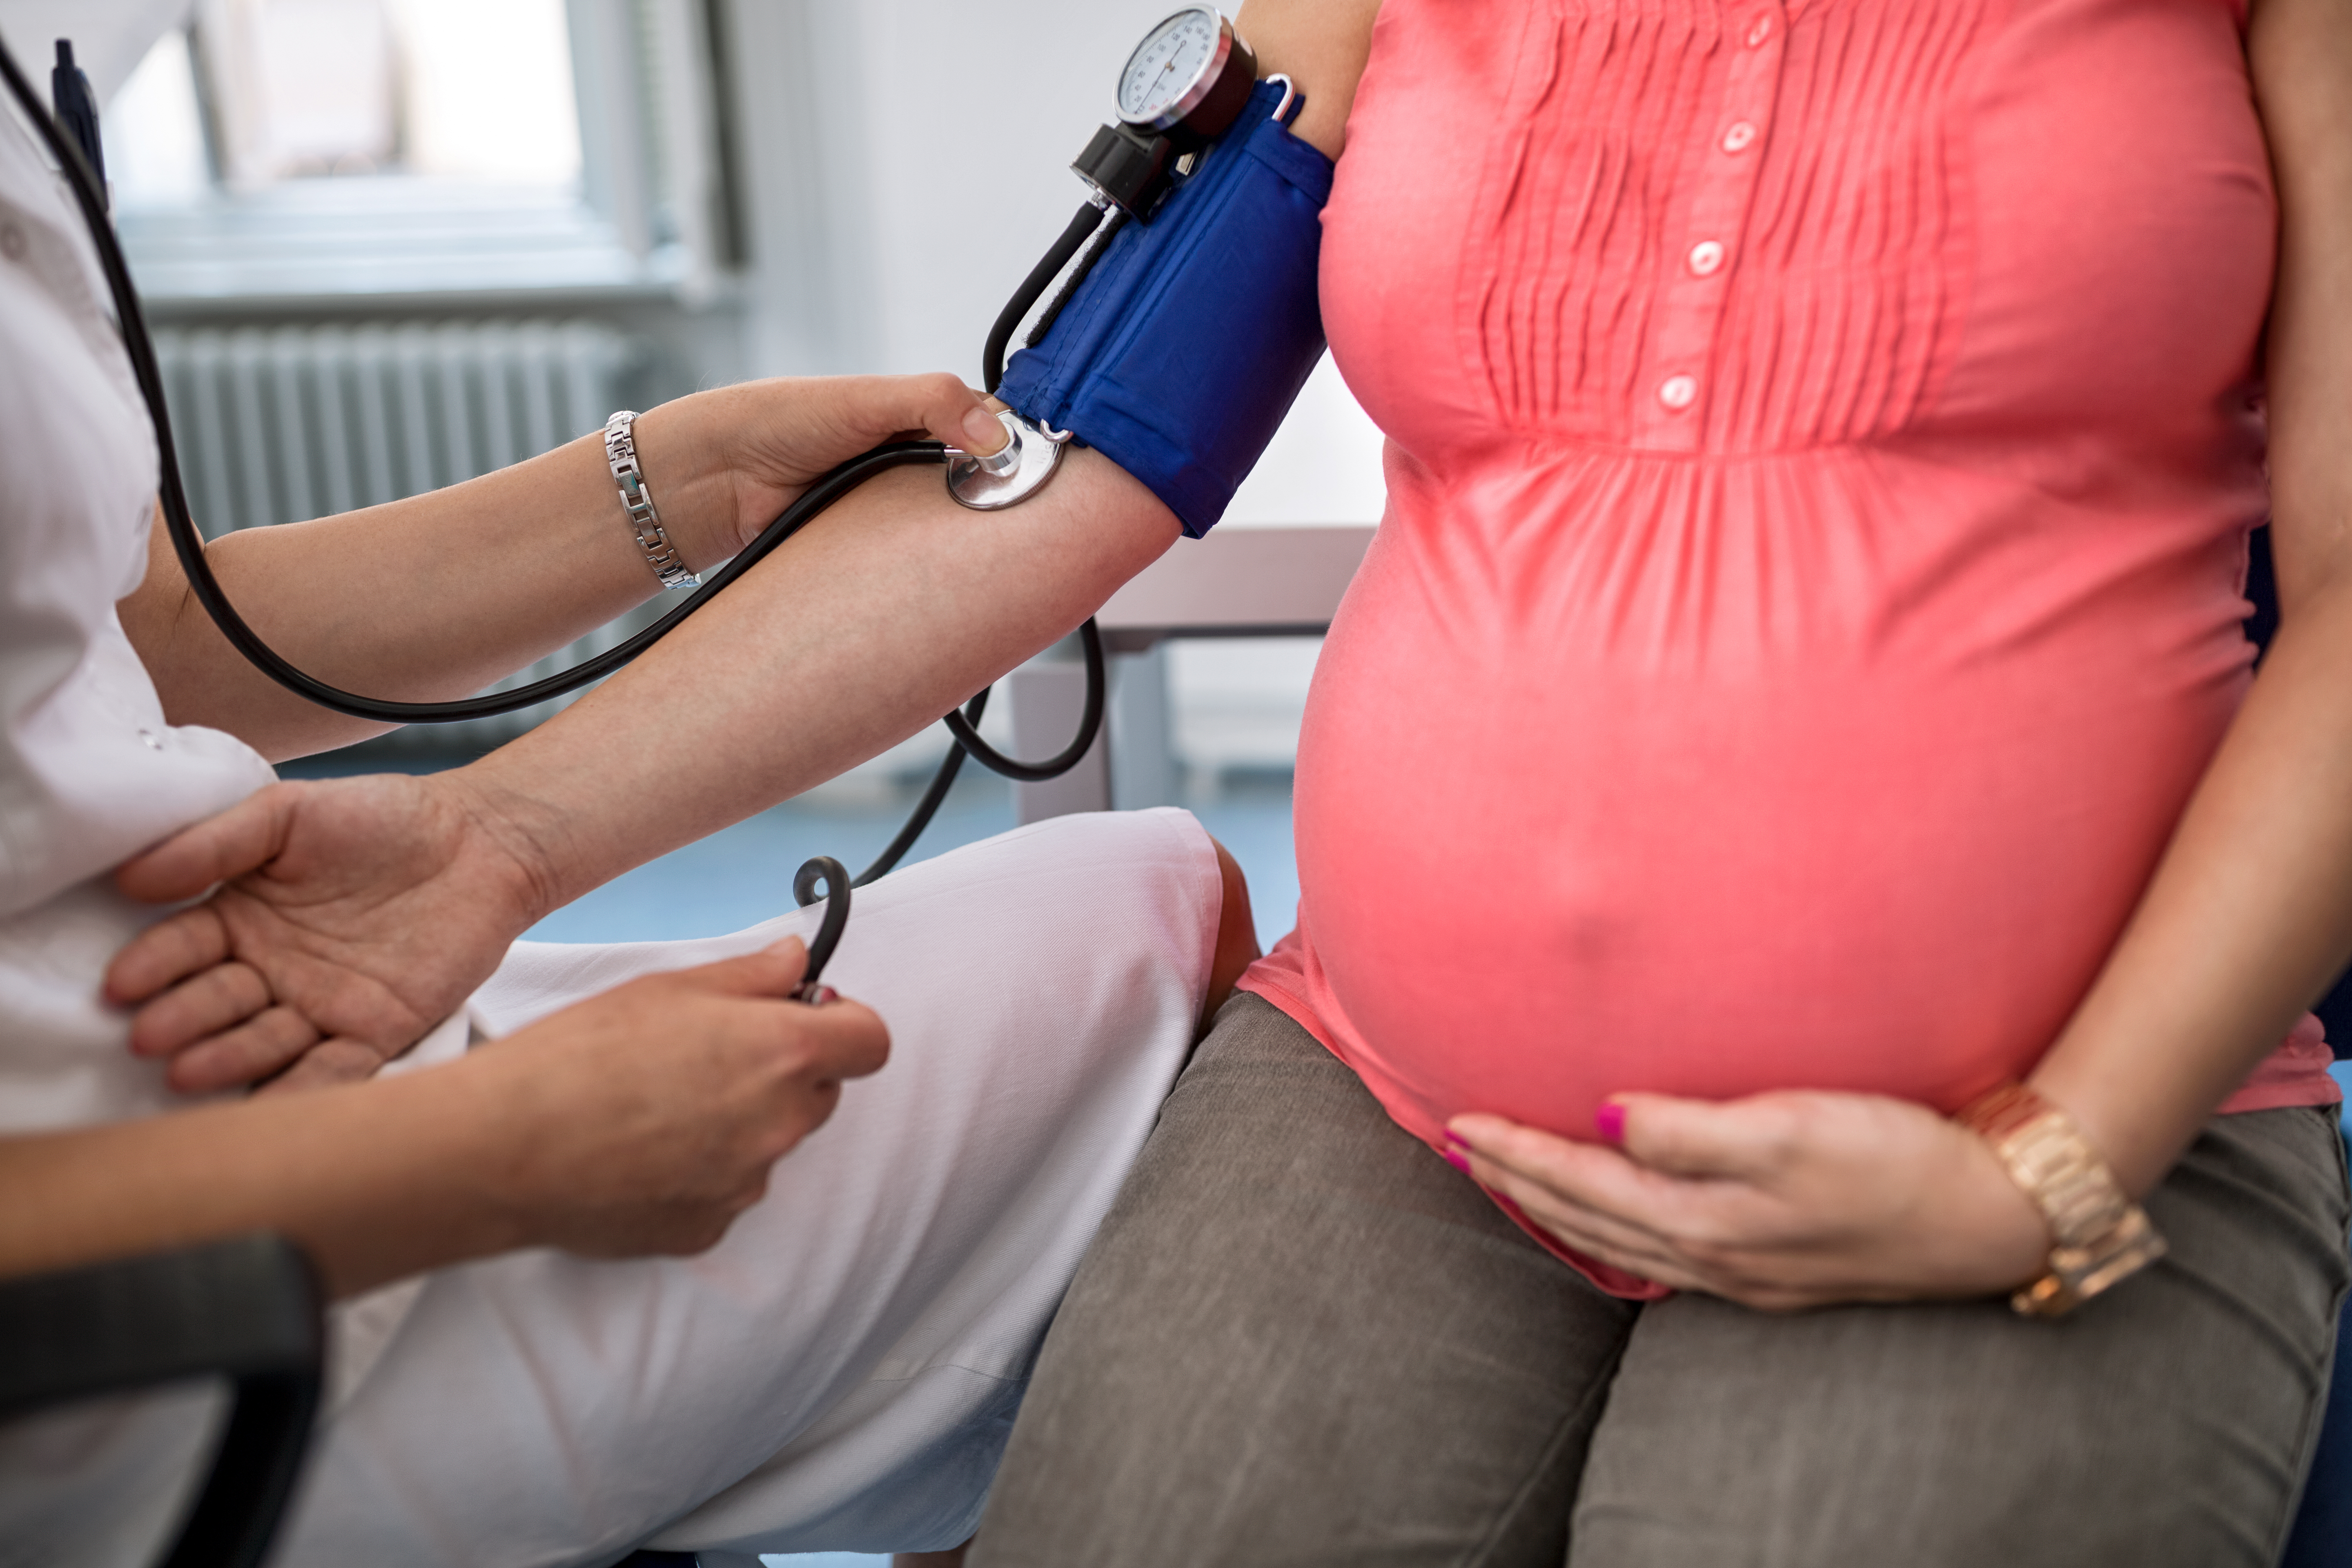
(373, 1181)
(889, 610)
(434, 598)
(425, 599)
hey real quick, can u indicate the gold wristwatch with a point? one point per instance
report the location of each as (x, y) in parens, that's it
(2102, 1237)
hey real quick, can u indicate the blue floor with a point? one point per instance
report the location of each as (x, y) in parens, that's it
(743, 874)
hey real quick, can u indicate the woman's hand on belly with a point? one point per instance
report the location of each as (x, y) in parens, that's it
(1778, 1202)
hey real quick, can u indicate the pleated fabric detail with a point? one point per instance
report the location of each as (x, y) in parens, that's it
(1822, 159)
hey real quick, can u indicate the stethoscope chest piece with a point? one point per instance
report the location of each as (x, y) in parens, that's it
(1012, 475)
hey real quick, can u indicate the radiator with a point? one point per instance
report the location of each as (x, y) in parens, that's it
(279, 423)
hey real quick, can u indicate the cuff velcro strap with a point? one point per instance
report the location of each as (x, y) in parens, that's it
(1185, 346)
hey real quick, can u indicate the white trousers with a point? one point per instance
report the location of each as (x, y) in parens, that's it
(840, 1373)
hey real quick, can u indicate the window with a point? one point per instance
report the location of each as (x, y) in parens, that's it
(333, 149)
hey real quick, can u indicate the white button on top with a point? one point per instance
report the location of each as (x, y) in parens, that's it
(1739, 137)
(1706, 257)
(1759, 32)
(1678, 391)
(154, 744)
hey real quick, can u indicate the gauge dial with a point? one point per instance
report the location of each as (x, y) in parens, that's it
(1174, 68)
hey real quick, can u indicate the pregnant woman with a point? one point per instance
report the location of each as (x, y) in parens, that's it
(1798, 689)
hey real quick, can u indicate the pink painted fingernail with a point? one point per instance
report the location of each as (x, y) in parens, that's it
(1610, 1122)
(1458, 1159)
(1456, 1140)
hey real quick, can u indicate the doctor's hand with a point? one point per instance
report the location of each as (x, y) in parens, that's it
(645, 1119)
(1779, 1201)
(728, 460)
(349, 916)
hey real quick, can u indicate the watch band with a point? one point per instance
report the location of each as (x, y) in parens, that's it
(621, 456)
(2100, 1236)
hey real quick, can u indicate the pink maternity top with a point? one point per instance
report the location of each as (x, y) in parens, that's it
(1823, 442)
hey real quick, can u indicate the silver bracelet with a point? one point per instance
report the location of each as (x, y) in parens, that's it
(621, 456)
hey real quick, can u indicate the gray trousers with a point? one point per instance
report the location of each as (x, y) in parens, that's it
(1302, 1338)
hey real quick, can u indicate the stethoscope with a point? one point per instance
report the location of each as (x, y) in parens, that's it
(1181, 87)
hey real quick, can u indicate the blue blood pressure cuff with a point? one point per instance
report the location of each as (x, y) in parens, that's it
(1181, 353)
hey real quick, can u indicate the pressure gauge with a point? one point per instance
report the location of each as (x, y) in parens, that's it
(1184, 86)
(1188, 80)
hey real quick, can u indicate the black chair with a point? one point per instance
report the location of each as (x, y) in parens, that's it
(248, 1309)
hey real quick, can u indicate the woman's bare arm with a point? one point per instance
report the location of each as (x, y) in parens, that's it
(889, 610)
(1321, 45)
(2250, 912)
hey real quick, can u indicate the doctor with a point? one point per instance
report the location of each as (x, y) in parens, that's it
(582, 1307)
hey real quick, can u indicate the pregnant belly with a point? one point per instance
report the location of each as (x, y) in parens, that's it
(1567, 872)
